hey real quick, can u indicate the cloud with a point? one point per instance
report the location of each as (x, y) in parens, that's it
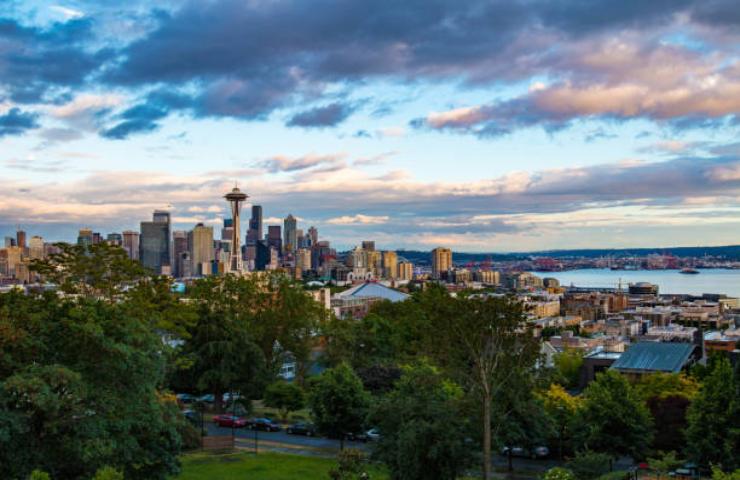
(33, 165)
(17, 122)
(324, 116)
(358, 219)
(66, 12)
(281, 163)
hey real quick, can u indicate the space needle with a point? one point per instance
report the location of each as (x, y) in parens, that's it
(235, 197)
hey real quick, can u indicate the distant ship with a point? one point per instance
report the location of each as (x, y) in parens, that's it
(689, 271)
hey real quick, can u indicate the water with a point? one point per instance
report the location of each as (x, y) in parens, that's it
(668, 281)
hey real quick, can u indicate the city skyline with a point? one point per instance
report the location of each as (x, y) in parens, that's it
(482, 127)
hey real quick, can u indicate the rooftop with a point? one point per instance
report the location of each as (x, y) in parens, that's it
(655, 357)
(373, 290)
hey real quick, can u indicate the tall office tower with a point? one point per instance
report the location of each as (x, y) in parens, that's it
(131, 244)
(9, 242)
(441, 261)
(97, 238)
(321, 253)
(228, 230)
(374, 262)
(299, 239)
(184, 265)
(85, 237)
(368, 245)
(254, 232)
(262, 255)
(13, 255)
(303, 259)
(291, 234)
(357, 258)
(313, 235)
(20, 239)
(201, 248)
(235, 199)
(275, 238)
(114, 239)
(390, 265)
(180, 240)
(405, 271)
(36, 248)
(154, 243)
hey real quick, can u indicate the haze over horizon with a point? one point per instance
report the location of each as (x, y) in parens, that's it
(481, 126)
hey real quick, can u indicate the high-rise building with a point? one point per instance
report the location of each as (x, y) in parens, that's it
(275, 238)
(9, 242)
(36, 248)
(14, 257)
(115, 239)
(313, 236)
(405, 271)
(180, 242)
(154, 243)
(85, 237)
(97, 238)
(131, 244)
(20, 239)
(368, 245)
(374, 262)
(390, 265)
(290, 230)
(254, 232)
(201, 248)
(441, 261)
(235, 199)
(303, 259)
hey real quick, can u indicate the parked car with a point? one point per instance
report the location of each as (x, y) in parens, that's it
(230, 421)
(207, 398)
(373, 434)
(357, 437)
(301, 428)
(264, 424)
(185, 398)
(535, 452)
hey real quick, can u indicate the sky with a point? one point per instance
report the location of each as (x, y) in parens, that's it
(497, 126)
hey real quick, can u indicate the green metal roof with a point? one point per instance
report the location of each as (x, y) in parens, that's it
(655, 357)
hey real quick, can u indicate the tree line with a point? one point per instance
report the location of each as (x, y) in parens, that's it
(87, 375)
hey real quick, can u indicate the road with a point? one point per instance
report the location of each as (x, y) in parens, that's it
(325, 447)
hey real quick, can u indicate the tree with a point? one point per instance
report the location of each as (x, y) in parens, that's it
(79, 390)
(713, 432)
(338, 402)
(718, 474)
(350, 466)
(99, 270)
(286, 397)
(664, 464)
(668, 396)
(484, 342)
(588, 465)
(423, 431)
(568, 365)
(558, 473)
(613, 418)
(561, 408)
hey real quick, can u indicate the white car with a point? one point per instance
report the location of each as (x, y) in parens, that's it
(373, 434)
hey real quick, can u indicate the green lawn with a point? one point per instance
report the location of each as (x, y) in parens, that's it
(265, 466)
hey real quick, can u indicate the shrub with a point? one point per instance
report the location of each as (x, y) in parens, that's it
(589, 465)
(108, 473)
(39, 475)
(558, 473)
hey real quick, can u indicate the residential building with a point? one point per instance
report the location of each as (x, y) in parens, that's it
(405, 271)
(441, 261)
(85, 237)
(390, 265)
(131, 244)
(200, 245)
(36, 249)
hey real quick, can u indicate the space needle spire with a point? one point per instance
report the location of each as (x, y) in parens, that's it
(235, 198)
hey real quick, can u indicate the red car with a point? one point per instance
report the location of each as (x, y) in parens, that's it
(230, 421)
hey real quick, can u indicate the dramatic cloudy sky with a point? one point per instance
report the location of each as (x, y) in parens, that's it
(497, 125)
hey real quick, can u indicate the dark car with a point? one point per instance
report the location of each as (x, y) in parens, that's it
(264, 424)
(300, 428)
(230, 421)
(357, 437)
(535, 452)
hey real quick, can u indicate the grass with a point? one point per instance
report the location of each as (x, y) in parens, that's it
(265, 466)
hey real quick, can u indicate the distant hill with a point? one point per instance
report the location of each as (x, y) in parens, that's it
(730, 252)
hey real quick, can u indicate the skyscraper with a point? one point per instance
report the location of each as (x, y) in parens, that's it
(313, 235)
(114, 239)
(441, 261)
(235, 199)
(36, 248)
(85, 237)
(290, 232)
(275, 238)
(20, 237)
(131, 244)
(180, 242)
(201, 248)
(154, 244)
(255, 226)
(368, 245)
(390, 265)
